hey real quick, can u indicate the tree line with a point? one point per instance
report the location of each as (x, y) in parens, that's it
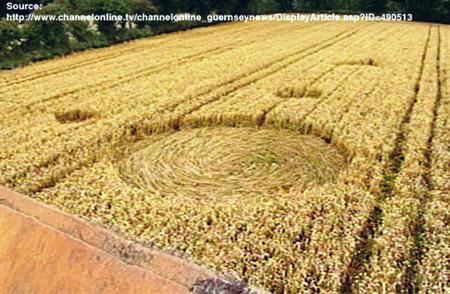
(21, 43)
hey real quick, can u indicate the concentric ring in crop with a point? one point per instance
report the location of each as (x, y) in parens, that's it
(220, 161)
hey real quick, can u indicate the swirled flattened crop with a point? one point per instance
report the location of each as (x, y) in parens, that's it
(214, 162)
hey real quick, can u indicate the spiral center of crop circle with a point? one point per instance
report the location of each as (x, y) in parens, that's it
(221, 161)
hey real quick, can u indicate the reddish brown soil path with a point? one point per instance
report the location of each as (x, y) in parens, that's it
(43, 250)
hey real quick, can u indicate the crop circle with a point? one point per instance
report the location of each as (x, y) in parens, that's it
(221, 161)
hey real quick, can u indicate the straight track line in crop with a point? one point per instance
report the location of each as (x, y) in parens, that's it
(262, 117)
(334, 90)
(102, 85)
(136, 74)
(412, 280)
(111, 56)
(347, 108)
(86, 62)
(323, 99)
(266, 112)
(295, 58)
(363, 251)
(105, 57)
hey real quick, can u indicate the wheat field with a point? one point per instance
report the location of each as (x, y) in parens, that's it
(301, 158)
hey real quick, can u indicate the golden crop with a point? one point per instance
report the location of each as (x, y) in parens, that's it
(299, 157)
